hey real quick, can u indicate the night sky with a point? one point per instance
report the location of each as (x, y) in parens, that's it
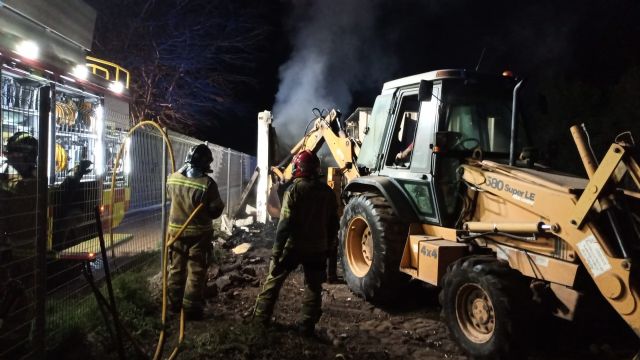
(580, 59)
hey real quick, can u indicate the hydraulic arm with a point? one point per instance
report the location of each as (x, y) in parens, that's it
(343, 149)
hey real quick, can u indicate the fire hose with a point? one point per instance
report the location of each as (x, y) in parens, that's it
(119, 158)
(168, 243)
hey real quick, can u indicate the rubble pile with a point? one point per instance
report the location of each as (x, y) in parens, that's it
(258, 234)
(236, 271)
(244, 253)
(238, 258)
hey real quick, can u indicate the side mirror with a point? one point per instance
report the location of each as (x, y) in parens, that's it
(425, 91)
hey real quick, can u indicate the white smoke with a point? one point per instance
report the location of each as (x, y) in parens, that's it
(335, 52)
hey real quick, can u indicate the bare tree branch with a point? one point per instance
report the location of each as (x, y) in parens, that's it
(188, 58)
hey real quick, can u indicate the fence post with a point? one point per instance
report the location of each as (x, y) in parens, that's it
(51, 136)
(262, 162)
(163, 216)
(42, 222)
(228, 181)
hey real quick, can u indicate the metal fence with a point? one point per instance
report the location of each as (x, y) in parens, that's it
(141, 229)
(48, 207)
(20, 217)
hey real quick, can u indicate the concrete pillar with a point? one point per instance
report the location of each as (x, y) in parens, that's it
(264, 125)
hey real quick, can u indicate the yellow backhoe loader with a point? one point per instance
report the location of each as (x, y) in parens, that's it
(433, 191)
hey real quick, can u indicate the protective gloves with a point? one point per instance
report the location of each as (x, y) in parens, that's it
(82, 168)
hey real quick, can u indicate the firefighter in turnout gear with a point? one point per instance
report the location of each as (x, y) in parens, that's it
(306, 231)
(18, 185)
(187, 188)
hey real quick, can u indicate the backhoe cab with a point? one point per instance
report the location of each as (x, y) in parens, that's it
(423, 127)
(434, 193)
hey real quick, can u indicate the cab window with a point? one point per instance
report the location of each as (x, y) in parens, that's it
(477, 116)
(374, 133)
(402, 137)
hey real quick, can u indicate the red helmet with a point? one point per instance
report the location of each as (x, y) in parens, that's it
(305, 164)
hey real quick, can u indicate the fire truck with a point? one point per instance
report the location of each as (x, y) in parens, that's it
(53, 91)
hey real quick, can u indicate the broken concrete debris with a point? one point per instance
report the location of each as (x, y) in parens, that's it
(241, 249)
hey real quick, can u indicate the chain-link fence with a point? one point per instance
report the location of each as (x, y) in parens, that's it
(59, 174)
(141, 229)
(232, 170)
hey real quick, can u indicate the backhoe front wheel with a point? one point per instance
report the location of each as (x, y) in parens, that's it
(485, 305)
(372, 241)
(359, 246)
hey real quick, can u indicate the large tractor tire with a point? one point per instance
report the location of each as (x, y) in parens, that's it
(372, 239)
(485, 305)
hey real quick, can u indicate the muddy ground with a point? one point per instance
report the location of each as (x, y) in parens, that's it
(350, 328)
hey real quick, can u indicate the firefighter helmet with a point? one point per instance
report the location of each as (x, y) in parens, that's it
(305, 164)
(23, 143)
(200, 157)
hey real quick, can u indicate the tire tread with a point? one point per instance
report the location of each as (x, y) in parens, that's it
(382, 282)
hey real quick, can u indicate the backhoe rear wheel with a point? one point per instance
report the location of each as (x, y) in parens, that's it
(372, 241)
(485, 305)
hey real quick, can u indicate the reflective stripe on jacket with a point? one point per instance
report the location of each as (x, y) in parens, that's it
(186, 194)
